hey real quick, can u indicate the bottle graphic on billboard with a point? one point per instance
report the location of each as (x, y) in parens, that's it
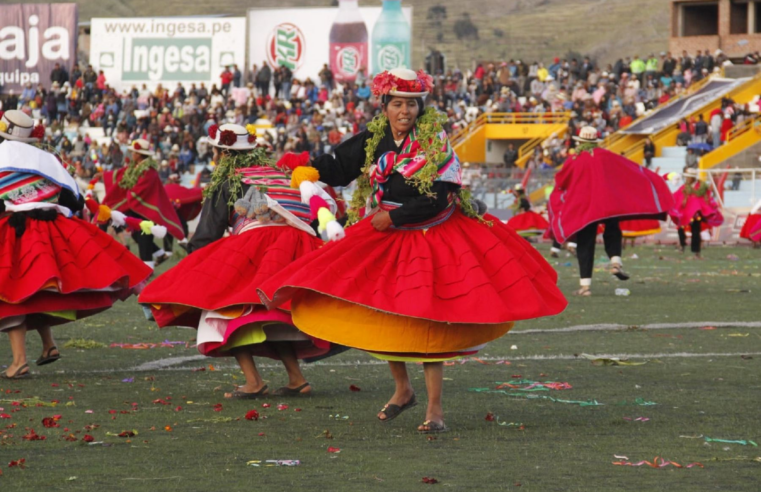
(391, 38)
(348, 42)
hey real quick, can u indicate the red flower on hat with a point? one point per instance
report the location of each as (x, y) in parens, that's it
(137, 146)
(213, 131)
(385, 82)
(228, 138)
(38, 132)
(251, 138)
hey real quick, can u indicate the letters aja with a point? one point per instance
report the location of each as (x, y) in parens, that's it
(15, 43)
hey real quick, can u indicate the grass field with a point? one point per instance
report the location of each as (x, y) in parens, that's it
(701, 380)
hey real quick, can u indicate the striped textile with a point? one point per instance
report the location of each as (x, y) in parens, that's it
(439, 218)
(19, 188)
(409, 162)
(277, 185)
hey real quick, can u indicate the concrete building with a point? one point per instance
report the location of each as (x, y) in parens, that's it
(733, 26)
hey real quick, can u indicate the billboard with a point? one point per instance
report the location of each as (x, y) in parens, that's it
(166, 50)
(305, 39)
(33, 38)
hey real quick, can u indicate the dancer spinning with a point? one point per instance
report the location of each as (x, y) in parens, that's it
(752, 227)
(525, 221)
(600, 187)
(421, 277)
(54, 267)
(694, 208)
(214, 288)
(136, 190)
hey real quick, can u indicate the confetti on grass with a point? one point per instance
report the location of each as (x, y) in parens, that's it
(726, 441)
(83, 344)
(259, 463)
(610, 361)
(657, 462)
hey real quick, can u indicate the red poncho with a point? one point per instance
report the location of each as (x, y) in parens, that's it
(147, 199)
(598, 185)
(187, 201)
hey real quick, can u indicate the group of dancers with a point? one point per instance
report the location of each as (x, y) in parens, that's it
(600, 192)
(414, 270)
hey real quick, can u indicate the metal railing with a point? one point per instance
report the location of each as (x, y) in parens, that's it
(713, 176)
(510, 119)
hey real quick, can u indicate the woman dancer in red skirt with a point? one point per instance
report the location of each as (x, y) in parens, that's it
(422, 277)
(54, 267)
(214, 288)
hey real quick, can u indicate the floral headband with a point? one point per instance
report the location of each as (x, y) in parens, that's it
(384, 83)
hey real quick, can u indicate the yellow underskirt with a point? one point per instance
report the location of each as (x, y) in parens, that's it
(641, 233)
(247, 335)
(356, 326)
(68, 314)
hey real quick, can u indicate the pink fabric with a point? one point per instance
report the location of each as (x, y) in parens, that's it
(599, 185)
(683, 212)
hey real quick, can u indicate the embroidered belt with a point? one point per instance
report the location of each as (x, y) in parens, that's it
(439, 218)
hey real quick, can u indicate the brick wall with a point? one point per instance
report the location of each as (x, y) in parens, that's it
(734, 45)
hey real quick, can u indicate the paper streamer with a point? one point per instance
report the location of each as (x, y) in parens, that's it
(260, 463)
(657, 462)
(727, 441)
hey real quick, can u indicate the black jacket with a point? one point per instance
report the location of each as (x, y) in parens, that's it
(347, 165)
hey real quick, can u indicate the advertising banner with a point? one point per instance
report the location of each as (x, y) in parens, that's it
(33, 38)
(166, 50)
(347, 38)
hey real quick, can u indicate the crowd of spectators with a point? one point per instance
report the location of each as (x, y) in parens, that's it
(316, 115)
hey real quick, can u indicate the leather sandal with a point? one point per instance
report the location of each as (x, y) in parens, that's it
(392, 411)
(433, 427)
(18, 374)
(242, 395)
(286, 391)
(47, 358)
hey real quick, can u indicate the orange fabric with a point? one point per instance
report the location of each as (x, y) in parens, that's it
(356, 326)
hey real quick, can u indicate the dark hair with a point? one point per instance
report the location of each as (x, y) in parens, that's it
(386, 98)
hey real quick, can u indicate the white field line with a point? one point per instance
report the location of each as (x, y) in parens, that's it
(654, 326)
(165, 364)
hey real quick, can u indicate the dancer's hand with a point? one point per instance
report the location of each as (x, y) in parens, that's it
(381, 221)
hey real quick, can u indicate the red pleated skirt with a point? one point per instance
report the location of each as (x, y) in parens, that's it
(640, 227)
(223, 277)
(407, 286)
(65, 264)
(752, 228)
(528, 224)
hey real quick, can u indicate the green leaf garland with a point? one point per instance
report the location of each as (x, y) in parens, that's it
(227, 171)
(428, 128)
(132, 173)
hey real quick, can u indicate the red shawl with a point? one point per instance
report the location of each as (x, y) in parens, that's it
(187, 201)
(147, 199)
(599, 185)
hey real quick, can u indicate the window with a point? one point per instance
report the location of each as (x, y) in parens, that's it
(738, 17)
(700, 19)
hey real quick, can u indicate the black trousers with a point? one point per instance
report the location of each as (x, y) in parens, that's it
(169, 239)
(585, 241)
(145, 243)
(695, 240)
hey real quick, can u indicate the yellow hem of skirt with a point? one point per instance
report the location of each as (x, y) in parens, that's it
(352, 325)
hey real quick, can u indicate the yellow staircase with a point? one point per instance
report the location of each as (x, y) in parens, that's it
(534, 128)
(632, 146)
(739, 138)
